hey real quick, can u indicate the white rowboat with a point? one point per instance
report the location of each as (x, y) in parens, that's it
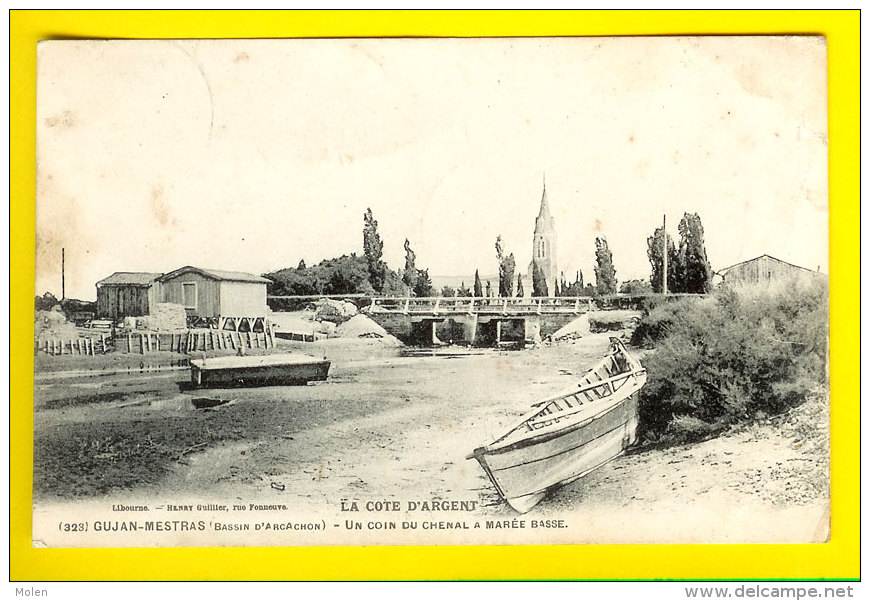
(567, 436)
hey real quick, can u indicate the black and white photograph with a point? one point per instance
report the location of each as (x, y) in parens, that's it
(419, 291)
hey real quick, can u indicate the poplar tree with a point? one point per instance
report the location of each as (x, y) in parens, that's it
(409, 276)
(506, 267)
(373, 249)
(697, 274)
(539, 281)
(654, 254)
(605, 274)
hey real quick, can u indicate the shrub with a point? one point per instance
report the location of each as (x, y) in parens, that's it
(731, 358)
(611, 321)
(659, 315)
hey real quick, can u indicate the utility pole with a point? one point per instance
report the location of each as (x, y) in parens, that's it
(62, 273)
(665, 254)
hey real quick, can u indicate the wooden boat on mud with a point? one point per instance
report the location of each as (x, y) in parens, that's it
(567, 436)
(262, 370)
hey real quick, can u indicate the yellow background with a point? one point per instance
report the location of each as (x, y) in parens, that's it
(838, 559)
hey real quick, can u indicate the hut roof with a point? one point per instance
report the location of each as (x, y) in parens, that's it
(761, 257)
(217, 274)
(129, 278)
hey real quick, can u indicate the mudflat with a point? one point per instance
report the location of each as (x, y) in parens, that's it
(396, 424)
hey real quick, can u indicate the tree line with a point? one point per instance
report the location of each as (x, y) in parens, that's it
(688, 270)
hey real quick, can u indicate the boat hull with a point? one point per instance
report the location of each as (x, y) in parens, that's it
(263, 375)
(524, 471)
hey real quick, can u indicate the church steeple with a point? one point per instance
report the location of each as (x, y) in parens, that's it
(544, 244)
(544, 221)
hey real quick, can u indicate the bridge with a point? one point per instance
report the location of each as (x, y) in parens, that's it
(475, 320)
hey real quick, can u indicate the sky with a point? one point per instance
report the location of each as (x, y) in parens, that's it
(253, 154)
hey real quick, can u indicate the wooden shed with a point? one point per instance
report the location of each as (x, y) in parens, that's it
(127, 294)
(230, 300)
(762, 270)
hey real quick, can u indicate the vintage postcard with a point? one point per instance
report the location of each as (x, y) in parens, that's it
(431, 292)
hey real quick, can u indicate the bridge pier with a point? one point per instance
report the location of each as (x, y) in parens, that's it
(469, 328)
(434, 338)
(532, 329)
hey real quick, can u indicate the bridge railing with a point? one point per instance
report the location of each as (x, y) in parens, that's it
(460, 304)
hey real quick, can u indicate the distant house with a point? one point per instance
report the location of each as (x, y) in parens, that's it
(223, 299)
(763, 269)
(127, 294)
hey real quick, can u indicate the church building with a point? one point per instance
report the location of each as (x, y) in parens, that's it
(544, 247)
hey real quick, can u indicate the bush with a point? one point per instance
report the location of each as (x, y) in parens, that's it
(659, 315)
(611, 321)
(732, 357)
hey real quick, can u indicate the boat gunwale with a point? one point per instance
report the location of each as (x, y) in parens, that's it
(543, 437)
(537, 408)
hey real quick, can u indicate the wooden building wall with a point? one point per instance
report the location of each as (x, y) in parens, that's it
(763, 270)
(116, 301)
(208, 303)
(242, 299)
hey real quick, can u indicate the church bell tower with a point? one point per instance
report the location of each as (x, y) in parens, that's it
(544, 245)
